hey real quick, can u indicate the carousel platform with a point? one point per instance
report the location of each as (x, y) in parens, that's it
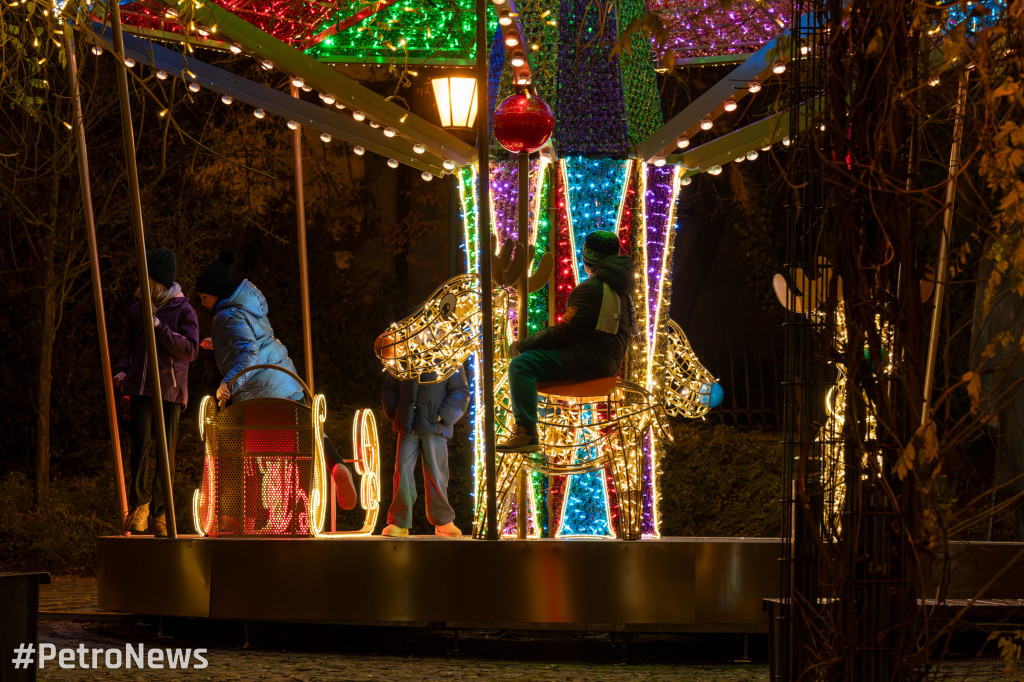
(670, 584)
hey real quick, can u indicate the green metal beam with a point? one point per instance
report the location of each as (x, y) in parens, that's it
(710, 104)
(307, 114)
(729, 147)
(324, 78)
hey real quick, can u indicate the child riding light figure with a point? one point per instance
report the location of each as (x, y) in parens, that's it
(589, 343)
(242, 337)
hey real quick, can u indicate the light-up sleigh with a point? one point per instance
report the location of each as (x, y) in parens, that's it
(265, 472)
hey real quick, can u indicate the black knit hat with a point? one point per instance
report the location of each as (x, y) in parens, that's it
(162, 266)
(216, 279)
(599, 245)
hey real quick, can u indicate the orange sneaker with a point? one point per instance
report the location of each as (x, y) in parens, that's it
(344, 488)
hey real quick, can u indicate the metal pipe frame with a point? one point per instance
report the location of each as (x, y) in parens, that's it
(483, 236)
(942, 267)
(273, 101)
(300, 218)
(145, 294)
(522, 312)
(78, 124)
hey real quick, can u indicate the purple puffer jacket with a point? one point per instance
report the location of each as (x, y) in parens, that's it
(177, 340)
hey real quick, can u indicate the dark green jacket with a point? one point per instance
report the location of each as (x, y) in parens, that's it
(586, 352)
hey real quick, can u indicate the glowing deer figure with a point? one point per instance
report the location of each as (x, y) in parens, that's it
(610, 419)
(812, 299)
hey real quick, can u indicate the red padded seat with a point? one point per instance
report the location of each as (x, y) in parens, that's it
(579, 389)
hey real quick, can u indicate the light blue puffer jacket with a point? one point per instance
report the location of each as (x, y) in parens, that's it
(242, 337)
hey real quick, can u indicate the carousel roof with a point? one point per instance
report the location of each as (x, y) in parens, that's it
(703, 30)
(372, 31)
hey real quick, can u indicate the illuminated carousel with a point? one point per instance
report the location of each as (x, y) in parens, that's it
(572, 535)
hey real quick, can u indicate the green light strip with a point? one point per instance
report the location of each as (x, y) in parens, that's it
(406, 30)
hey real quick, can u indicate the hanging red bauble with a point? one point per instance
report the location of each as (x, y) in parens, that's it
(523, 123)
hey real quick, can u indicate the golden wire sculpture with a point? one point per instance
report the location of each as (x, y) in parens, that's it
(687, 382)
(580, 434)
(440, 335)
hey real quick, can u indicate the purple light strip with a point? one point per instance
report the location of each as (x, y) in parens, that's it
(657, 205)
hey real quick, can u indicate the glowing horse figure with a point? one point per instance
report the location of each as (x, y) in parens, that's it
(611, 419)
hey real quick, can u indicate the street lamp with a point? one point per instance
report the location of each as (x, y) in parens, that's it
(456, 100)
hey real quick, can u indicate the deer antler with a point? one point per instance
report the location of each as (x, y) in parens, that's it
(540, 276)
(507, 266)
(810, 297)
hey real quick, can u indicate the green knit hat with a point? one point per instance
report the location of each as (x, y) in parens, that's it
(598, 246)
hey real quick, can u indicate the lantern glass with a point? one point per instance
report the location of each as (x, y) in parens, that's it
(456, 101)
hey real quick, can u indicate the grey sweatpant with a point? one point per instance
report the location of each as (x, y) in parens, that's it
(433, 449)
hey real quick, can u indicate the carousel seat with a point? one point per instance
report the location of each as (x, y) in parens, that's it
(578, 389)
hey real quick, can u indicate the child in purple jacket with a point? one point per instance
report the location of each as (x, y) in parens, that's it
(177, 337)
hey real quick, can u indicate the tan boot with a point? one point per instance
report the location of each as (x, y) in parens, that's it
(520, 441)
(448, 530)
(159, 526)
(137, 520)
(392, 531)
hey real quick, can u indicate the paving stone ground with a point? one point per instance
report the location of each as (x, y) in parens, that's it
(322, 652)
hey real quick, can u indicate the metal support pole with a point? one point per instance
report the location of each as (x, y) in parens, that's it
(483, 232)
(942, 266)
(522, 312)
(145, 294)
(300, 216)
(94, 265)
(552, 301)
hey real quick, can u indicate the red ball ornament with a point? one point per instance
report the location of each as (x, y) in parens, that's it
(523, 123)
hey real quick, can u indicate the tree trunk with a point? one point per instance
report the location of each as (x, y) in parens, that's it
(45, 381)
